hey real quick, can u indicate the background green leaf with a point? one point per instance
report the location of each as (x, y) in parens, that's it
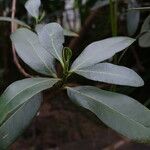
(70, 33)
(100, 4)
(144, 40)
(8, 19)
(132, 25)
(32, 6)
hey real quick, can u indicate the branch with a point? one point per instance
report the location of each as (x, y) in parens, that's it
(13, 29)
(117, 145)
(84, 30)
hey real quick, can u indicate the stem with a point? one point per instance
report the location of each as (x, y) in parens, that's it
(13, 29)
(140, 8)
(65, 73)
(113, 16)
(114, 26)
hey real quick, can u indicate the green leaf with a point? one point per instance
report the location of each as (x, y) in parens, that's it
(120, 112)
(144, 40)
(38, 29)
(70, 33)
(18, 121)
(8, 19)
(20, 92)
(67, 54)
(133, 25)
(42, 16)
(100, 51)
(100, 3)
(32, 6)
(109, 73)
(31, 52)
(51, 37)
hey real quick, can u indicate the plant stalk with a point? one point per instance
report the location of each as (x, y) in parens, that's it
(114, 26)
